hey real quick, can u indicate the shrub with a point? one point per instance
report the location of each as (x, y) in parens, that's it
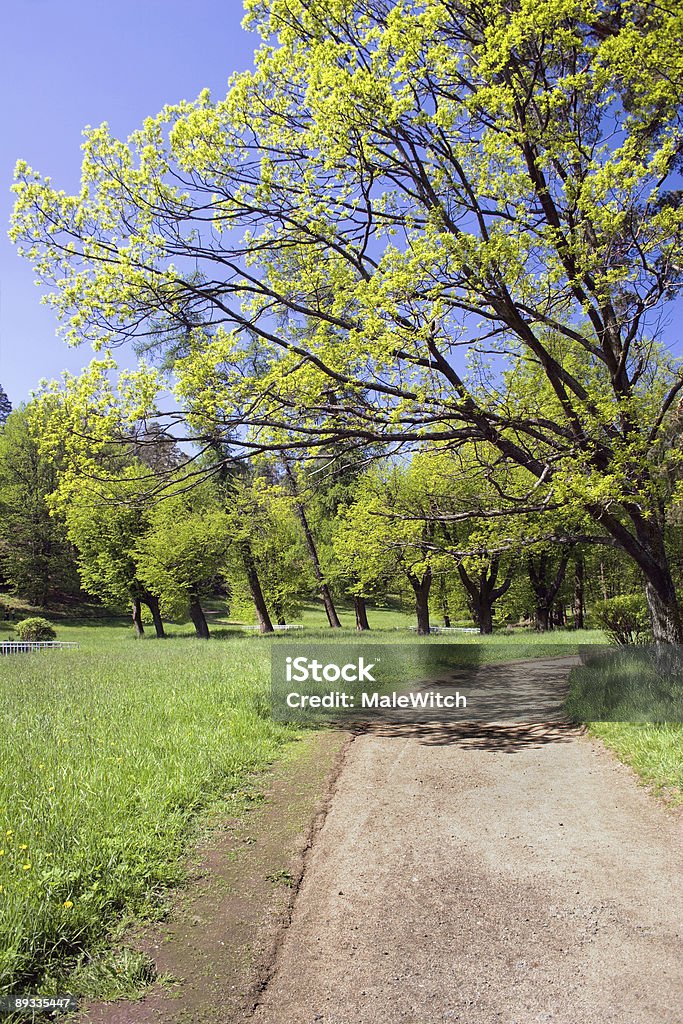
(624, 619)
(35, 629)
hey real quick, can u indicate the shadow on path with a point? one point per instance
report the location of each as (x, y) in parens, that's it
(501, 737)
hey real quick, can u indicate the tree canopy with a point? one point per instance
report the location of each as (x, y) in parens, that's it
(413, 222)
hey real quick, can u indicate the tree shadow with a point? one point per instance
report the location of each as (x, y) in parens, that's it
(495, 737)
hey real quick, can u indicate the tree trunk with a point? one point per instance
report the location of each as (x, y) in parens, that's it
(443, 601)
(153, 605)
(665, 612)
(323, 588)
(485, 619)
(542, 616)
(198, 618)
(247, 555)
(660, 592)
(483, 594)
(421, 588)
(330, 610)
(361, 611)
(546, 590)
(603, 583)
(648, 550)
(579, 599)
(137, 617)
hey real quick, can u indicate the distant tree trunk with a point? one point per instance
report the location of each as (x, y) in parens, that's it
(485, 619)
(443, 601)
(153, 605)
(546, 589)
(137, 617)
(559, 617)
(421, 589)
(279, 614)
(323, 588)
(579, 599)
(542, 618)
(482, 593)
(198, 618)
(361, 611)
(249, 563)
(603, 583)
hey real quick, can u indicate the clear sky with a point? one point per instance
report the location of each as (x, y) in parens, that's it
(67, 64)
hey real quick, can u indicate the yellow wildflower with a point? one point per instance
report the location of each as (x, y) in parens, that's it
(27, 866)
(68, 904)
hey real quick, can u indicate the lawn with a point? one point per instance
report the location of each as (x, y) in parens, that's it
(109, 754)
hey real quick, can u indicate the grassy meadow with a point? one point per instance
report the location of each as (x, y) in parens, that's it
(109, 753)
(115, 753)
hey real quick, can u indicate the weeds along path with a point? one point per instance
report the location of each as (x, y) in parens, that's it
(491, 874)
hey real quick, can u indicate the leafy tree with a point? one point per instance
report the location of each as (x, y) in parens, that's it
(375, 544)
(395, 181)
(464, 495)
(332, 479)
(264, 524)
(36, 558)
(547, 571)
(106, 523)
(182, 551)
(294, 489)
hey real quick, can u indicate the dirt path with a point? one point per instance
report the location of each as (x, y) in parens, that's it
(485, 875)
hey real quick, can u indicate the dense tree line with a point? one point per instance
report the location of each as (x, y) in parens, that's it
(130, 518)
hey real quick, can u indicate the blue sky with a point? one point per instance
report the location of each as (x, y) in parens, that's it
(77, 62)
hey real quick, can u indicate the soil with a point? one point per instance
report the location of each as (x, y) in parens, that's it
(482, 873)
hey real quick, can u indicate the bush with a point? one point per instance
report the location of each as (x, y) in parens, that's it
(35, 629)
(624, 619)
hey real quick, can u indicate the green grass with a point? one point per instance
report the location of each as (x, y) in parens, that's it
(627, 684)
(654, 751)
(632, 700)
(108, 754)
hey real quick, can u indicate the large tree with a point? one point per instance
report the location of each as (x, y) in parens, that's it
(182, 553)
(396, 182)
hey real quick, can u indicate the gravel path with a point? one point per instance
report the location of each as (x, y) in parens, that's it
(490, 874)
